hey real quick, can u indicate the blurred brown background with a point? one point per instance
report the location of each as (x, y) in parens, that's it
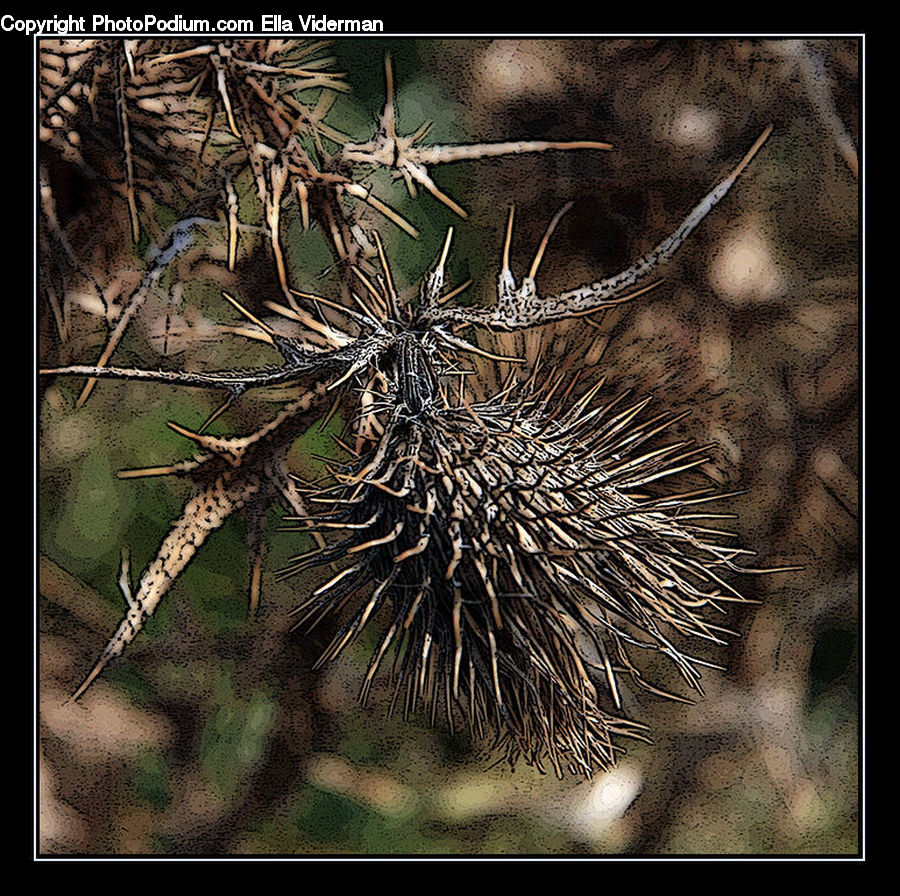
(213, 735)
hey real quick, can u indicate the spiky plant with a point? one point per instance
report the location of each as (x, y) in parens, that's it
(514, 545)
(514, 554)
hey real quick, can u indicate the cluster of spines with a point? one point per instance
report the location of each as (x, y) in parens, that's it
(487, 538)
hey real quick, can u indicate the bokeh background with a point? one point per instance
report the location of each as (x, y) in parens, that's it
(214, 735)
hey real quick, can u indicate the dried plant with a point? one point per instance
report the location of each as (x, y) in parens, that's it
(514, 542)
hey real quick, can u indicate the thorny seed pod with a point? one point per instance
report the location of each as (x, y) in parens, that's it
(518, 548)
(513, 550)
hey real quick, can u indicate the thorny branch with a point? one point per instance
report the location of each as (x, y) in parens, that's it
(517, 308)
(231, 475)
(522, 307)
(559, 491)
(387, 149)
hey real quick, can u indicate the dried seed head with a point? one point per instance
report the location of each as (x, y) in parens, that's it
(520, 562)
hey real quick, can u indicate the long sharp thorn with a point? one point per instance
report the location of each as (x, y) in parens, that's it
(381, 306)
(454, 293)
(355, 315)
(144, 472)
(439, 194)
(391, 291)
(445, 251)
(539, 255)
(216, 414)
(508, 240)
(251, 317)
(98, 668)
(437, 155)
(389, 115)
(365, 195)
(182, 431)
(752, 152)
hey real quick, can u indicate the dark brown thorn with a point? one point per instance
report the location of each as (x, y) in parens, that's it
(573, 381)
